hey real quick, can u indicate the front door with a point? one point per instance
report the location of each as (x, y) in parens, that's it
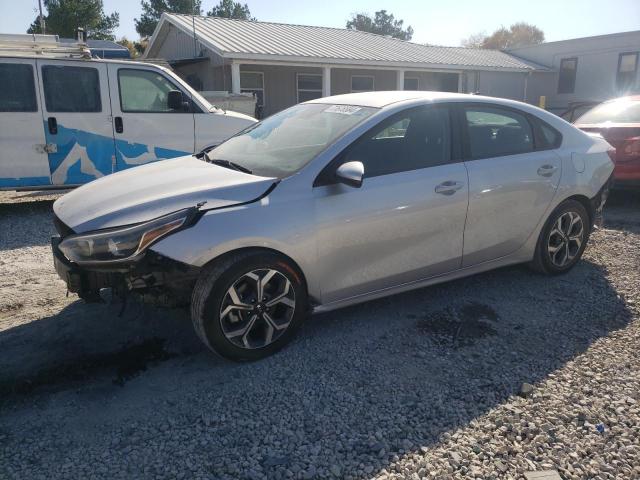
(77, 120)
(406, 222)
(23, 157)
(512, 181)
(146, 128)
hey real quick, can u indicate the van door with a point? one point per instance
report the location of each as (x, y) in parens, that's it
(146, 128)
(23, 157)
(77, 120)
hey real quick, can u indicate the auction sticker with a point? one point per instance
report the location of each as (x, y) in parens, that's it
(343, 109)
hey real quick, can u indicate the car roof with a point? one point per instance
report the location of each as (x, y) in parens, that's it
(383, 99)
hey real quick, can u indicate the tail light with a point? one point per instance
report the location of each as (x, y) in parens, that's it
(630, 149)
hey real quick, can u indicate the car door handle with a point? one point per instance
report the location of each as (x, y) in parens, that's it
(449, 187)
(547, 170)
(119, 125)
(53, 125)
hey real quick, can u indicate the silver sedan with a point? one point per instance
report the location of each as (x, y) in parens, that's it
(334, 202)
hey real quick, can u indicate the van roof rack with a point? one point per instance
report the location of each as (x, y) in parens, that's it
(38, 45)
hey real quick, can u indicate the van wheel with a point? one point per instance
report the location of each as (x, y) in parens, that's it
(563, 239)
(249, 305)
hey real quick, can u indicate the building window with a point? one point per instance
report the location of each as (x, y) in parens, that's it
(309, 86)
(627, 69)
(411, 83)
(362, 83)
(567, 79)
(253, 82)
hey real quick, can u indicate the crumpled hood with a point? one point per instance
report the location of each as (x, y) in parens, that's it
(150, 191)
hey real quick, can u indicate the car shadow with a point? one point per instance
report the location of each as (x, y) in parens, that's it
(363, 384)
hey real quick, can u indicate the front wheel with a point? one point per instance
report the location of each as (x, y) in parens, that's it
(249, 305)
(563, 238)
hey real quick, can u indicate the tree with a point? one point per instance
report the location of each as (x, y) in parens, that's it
(153, 9)
(382, 23)
(231, 9)
(135, 48)
(64, 17)
(517, 35)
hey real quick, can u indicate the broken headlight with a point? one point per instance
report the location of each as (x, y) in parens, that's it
(123, 243)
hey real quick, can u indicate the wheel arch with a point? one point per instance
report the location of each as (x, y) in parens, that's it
(297, 269)
(586, 203)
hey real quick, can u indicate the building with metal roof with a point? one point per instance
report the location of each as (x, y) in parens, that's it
(283, 64)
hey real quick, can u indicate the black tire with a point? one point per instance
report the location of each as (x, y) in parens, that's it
(210, 292)
(542, 261)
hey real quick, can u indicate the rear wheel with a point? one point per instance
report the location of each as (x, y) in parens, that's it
(249, 305)
(563, 238)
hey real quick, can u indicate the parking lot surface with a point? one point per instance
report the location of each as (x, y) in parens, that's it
(490, 376)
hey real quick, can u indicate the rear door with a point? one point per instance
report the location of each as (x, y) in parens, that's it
(23, 157)
(146, 129)
(77, 120)
(406, 221)
(513, 176)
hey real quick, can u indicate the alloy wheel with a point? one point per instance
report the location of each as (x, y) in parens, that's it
(565, 239)
(257, 308)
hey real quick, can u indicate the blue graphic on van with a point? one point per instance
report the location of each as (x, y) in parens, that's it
(8, 183)
(83, 156)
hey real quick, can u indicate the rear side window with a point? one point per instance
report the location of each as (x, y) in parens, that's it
(494, 132)
(418, 138)
(145, 91)
(18, 90)
(71, 89)
(548, 137)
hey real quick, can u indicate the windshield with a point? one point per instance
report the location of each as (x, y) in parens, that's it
(282, 144)
(619, 111)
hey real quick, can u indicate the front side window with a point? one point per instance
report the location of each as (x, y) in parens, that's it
(253, 82)
(285, 142)
(144, 91)
(495, 131)
(71, 89)
(18, 91)
(418, 138)
(627, 69)
(362, 83)
(309, 86)
(567, 78)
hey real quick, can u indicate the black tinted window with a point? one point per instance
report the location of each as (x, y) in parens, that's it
(17, 88)
(71, 89)
(495, 131)
(419, 138)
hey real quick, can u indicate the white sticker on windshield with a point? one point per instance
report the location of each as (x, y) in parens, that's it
(343, 109)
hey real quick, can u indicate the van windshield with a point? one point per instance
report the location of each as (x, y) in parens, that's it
(282, 144)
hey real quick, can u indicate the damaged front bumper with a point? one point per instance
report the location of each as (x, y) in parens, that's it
(147, 273)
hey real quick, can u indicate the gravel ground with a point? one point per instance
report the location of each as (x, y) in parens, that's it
(427, 384)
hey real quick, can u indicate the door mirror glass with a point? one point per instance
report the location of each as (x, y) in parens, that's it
(351, 173)
(174, 100)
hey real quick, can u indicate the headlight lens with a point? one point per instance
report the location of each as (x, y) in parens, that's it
(122, 243)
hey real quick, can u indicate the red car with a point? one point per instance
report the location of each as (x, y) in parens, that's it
(618, 121)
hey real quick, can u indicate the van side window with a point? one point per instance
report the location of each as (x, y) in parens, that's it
(18, 92)
(71, 89)
(144, 91)
(494, 131)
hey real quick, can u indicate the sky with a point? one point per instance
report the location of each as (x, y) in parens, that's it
(441, 22)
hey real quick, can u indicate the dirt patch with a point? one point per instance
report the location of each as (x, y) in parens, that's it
(459, 327)
(124, 364)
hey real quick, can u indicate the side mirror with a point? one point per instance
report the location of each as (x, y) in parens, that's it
(175, 101)
(351, 173)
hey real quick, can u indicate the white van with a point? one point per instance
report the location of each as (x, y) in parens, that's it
(67, 121)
